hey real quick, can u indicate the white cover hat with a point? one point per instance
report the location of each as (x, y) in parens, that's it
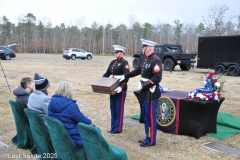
(147, 43)
(118, 48)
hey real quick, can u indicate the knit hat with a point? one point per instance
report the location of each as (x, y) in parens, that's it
(41, 83)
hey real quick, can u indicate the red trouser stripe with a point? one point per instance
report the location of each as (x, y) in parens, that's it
(177, 115)
(151, 124)
(121, 113)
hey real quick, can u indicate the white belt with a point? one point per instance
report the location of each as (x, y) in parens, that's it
(116, 76)
(144, 79)
(152, 89)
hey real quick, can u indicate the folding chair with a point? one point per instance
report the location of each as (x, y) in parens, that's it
(23, 138)
(96, 146)
(40, 135)
(62, 142)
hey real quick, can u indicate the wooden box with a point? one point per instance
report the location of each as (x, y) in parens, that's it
(105, 85)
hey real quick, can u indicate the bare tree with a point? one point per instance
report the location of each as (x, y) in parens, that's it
(62, 27)
(216, 24)
(230, 29)
(131, 20)
(158, 28)
(108, 32)
(189, 40)
(137, 34)
(238, 25)
(167, 33)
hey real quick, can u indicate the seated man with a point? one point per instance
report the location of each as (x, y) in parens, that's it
(23, 91)
(39, 99)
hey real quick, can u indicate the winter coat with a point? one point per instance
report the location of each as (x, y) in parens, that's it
(21, 96)
(39, 101)
(66, 110)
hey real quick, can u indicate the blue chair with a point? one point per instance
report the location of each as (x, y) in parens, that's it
(40, 135)
(23, 138)
(62, 142)
(97, 147)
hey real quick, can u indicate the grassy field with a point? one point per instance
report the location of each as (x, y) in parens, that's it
(81, 73)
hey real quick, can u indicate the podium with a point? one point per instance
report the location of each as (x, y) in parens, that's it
(105, 85)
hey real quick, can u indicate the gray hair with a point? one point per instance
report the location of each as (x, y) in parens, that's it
(64, 88)
(25, 81)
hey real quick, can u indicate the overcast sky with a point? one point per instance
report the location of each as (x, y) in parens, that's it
(115, 11)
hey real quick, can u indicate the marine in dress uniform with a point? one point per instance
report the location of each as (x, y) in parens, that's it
(117, 67)
(151, 74)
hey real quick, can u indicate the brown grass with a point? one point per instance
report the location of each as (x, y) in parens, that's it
(81, 73)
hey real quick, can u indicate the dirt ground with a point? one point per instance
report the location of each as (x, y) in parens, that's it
(82, 73)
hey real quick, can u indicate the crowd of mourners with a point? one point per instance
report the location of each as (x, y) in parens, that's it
(33, 94)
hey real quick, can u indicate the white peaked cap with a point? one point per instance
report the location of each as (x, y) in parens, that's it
(118, 48)
(147, 43)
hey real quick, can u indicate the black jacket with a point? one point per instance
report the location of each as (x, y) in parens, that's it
(150, 69)
(118, 67)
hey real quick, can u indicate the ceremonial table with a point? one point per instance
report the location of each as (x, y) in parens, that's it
(178, 115)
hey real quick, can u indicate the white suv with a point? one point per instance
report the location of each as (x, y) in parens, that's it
(74, 53)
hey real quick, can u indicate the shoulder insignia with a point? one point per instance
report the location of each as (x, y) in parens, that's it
(126, 67)
(156, 68)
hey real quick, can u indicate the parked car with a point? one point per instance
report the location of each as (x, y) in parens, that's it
(7, 52)
(74, 53)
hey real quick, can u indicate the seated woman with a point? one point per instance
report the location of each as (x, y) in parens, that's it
(64, 108)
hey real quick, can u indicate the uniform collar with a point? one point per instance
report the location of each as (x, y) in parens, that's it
(151, 55)
(118, 59)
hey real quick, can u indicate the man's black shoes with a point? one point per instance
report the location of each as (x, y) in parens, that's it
(109, 131)
(145, 145)
(113, 132)
(141, 141)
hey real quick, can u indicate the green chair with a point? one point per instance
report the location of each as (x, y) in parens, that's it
(62, 142)
(23, 138)
(40, 135)
(97, 147)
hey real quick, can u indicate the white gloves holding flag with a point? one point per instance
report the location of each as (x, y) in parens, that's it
(118, 89)
(120, 78)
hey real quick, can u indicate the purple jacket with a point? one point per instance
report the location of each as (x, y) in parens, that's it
(66, 110)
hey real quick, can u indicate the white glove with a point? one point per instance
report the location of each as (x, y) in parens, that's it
(139, 86)
(120, 78)
(118, 89)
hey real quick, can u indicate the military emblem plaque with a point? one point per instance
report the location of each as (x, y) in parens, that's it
(105, 85)
(166, 111)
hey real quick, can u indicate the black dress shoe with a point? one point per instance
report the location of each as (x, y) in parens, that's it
(115, 132)
(145, 145)
(109, 131)
(141, 141)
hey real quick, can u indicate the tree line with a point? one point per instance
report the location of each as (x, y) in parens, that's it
(37, 36)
